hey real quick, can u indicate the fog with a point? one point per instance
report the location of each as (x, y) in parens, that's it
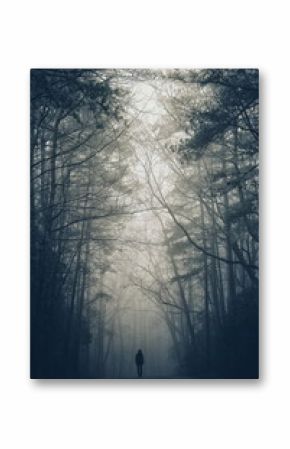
(144, 223)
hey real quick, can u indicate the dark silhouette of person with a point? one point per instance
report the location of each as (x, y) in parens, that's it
(139, 360)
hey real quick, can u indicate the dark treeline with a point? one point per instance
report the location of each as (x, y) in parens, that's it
(76, 187)
(209, 297)
(96, 161)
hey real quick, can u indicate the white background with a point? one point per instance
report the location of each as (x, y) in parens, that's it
(149, 414)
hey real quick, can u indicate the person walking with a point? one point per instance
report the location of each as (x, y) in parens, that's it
(139, 360)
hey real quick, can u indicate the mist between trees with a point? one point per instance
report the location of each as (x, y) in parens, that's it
(144, 223)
